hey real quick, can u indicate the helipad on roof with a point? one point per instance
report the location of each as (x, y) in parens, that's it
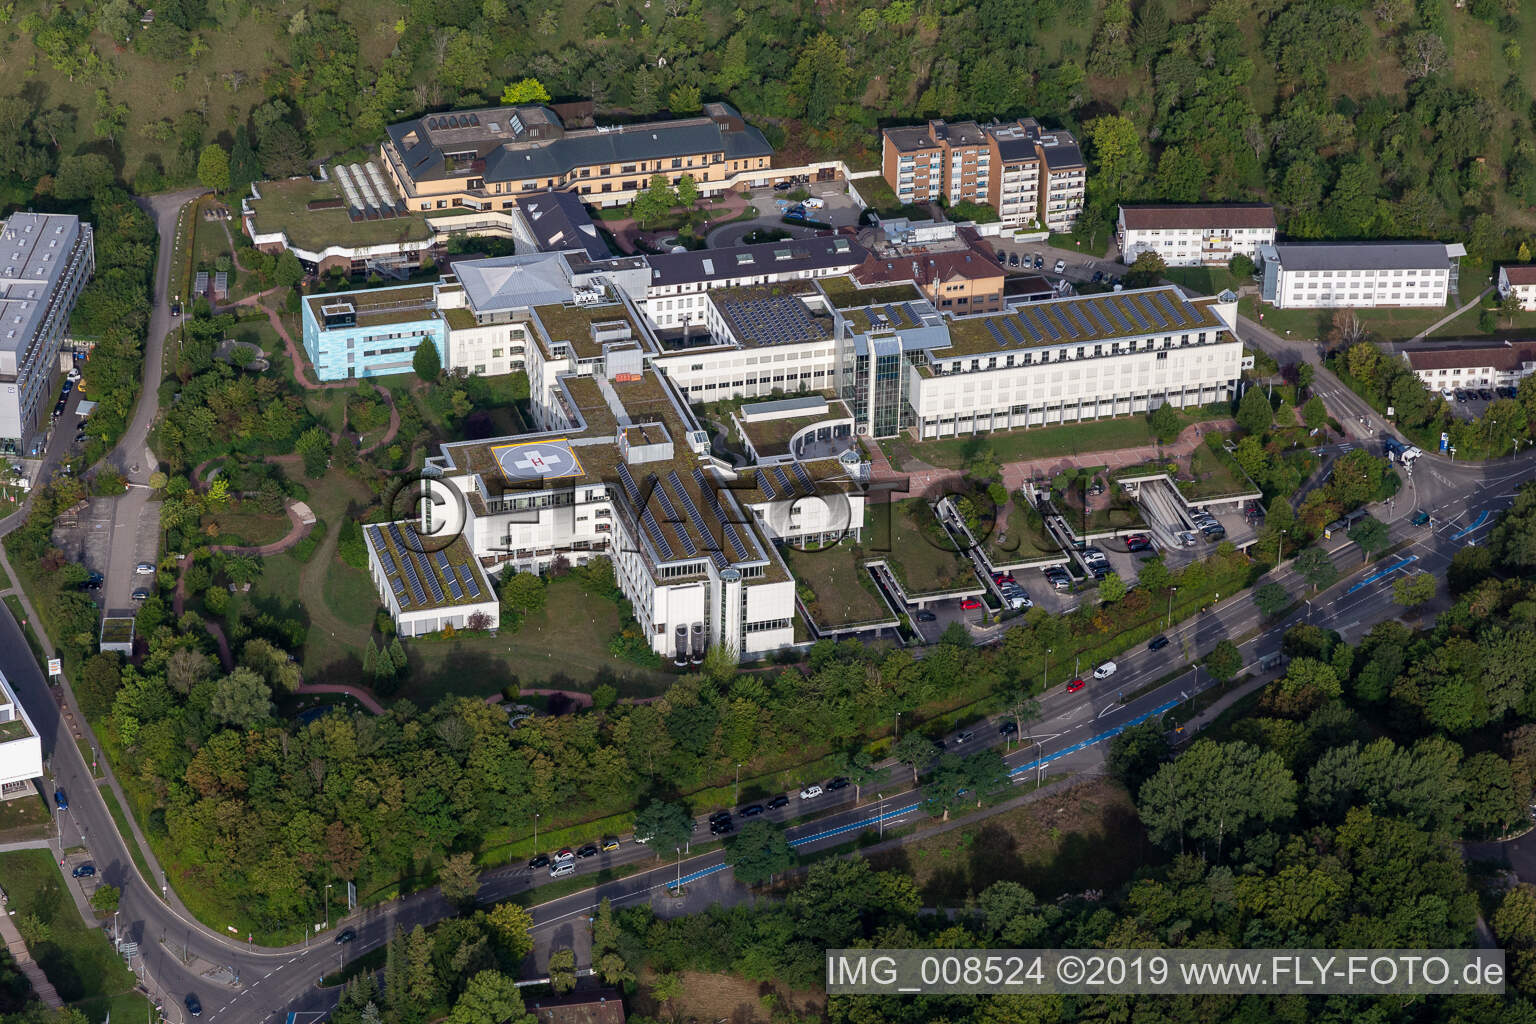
(537, 460)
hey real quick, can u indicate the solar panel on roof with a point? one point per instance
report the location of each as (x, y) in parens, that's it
(727, 527)
(1113, 312)
(397, 585)
(895, 315)
(1078, 318)
(432, 583)
(1192, 316)
(911, 313)
(467, 577)
(453, 589)
(1167, 306)
(782, 478)
(1012, 327)
(804, 478)
(996, 336)
(1099, 318)
(1032, 317)
(1152, 318)
(1136, 315)
(715, 554)
(657, 537)
(1055, 315)
(765, 485)
(689, 547)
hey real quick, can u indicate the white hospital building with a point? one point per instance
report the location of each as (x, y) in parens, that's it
(620, 466)
(1192, 235)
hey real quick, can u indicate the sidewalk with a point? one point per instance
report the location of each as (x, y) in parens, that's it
(35, 976)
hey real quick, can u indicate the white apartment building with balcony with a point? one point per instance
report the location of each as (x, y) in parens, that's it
(1519, 281)
(1358, 274)
(1195, 235)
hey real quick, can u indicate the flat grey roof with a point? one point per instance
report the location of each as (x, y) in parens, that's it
(784, 405)
(1364, 256)
(819, 253)
(34, 251)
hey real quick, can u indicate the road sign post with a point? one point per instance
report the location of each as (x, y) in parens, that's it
(55, 668)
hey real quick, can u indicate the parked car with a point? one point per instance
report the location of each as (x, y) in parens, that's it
(779, 801)
(609, 845)
(813, 203)
(1061, 265)
(720, 826)
(141, 594)
(590, 850)
(1039, 261)
(926, 616)
(719, 814)
(1105, 670)
(970, 604)
(1485, 394)
(145, 568)
(810, 792)
(1002, 257)
(565, 855)
(783, 186)
(752, 810)
(1138, 542)
(837, 783)
(1075, 685)
(344, 936)
(1098, 275)
(1158, 643)
(1008, 728)
(60, 800)
(84, 871)
(964, 736)
(175, 309)
(194, 1007)
(540, 860)
(1013, 259)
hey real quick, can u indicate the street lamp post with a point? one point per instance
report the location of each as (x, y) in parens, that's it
(897, 734)
(736, 795)
(678, 850)
(882, 814)
(1171, 592)
(1280, 548)
(535, 831)
(327, 906)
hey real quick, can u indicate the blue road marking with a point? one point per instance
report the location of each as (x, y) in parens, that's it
(697, 875)
(1382, 573)
(1090, 741)
(854, 826)
(1477, 524)
(898, 812)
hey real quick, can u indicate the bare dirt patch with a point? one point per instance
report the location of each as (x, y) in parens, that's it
(1087, 837)
(715, 997)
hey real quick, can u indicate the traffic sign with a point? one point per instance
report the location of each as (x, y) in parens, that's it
(55, 667)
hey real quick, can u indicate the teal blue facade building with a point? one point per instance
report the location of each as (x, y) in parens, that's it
(371, 333)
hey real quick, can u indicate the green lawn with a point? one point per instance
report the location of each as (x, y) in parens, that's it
(563, 645)
(244, 524)
(350, 594)
(1019, 536)
(78, 960)
(1206, 280)
(125, 1008)
(25, 817)
(1020, 445)
(1214, 476)
(1383, 324)
(908, 536)
(1521, 327)
(839, 590)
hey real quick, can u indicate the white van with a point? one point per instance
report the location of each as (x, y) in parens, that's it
(562, 869)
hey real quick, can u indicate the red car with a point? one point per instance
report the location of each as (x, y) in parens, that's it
(1074, 686)
(970, 604)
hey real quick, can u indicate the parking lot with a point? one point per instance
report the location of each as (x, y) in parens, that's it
(1468, 403)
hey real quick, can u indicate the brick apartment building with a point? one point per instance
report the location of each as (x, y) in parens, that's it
(1029, 175)
(484, 159)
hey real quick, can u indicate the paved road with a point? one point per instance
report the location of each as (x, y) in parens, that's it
(134, 525)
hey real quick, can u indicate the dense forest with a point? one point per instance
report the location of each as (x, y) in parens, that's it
(1368, 118)
(1326, 816)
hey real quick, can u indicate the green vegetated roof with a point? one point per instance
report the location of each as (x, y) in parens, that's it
(284, 206)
